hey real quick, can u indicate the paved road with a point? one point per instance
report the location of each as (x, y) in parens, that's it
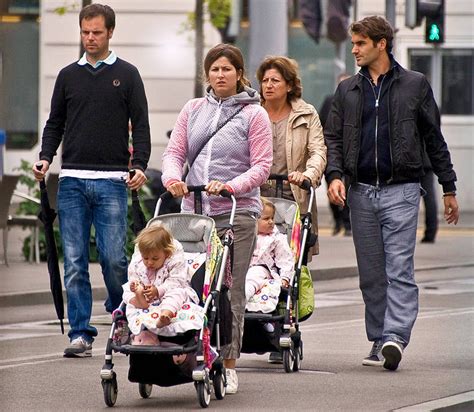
(438, 363)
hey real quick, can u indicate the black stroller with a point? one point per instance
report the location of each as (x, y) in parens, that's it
(154, 365)
(286, 336)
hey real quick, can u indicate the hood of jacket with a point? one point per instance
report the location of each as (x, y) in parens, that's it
(247, 96)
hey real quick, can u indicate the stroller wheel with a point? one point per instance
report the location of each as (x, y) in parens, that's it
(298, 354)
(289, 359)
(218, 383)
(204, 393)
(145, 390)
(110, 391)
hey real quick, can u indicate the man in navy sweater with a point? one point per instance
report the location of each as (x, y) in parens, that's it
(380, 123)
(94, 101)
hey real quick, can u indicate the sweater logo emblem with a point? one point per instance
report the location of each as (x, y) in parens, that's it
(116, 82)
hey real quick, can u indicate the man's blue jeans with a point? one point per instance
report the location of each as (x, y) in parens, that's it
(81, 204)
(384, 222)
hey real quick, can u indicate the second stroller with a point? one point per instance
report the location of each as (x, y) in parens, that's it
(277, 329)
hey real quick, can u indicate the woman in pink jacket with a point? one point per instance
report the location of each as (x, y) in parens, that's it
(226, 139)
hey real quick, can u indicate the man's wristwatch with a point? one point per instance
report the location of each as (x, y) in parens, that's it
(449, 194)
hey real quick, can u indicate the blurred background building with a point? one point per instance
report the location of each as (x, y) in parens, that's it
(38, 38)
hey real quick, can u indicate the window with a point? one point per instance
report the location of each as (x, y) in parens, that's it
(19, 72)
(450, 73)
(457, 86)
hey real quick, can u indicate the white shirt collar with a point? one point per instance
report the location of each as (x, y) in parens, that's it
(111, 58)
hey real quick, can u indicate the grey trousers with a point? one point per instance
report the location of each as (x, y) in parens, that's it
(384, 223)
(245, 234)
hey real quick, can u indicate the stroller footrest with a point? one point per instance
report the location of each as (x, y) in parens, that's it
(156, 350)
(264, 317)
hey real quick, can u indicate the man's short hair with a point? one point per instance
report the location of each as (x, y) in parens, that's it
(96, 9)
(375, 28)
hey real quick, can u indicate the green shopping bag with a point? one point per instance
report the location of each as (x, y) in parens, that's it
(305, 295)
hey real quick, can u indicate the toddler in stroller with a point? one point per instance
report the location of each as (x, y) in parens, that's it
(279, 306)
(158, 287)
(271, 266)
(182, 350)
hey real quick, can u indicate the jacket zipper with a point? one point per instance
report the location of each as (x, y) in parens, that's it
(377, 98)
(389, 130)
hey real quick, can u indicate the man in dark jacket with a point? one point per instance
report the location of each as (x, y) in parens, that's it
(381, 121)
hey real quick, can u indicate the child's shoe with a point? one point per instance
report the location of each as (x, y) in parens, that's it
(121, 333)
(268, 327)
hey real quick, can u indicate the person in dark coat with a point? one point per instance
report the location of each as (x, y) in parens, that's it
(380, 122)
(340, 214)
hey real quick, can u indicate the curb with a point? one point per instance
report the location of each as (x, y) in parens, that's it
(100, 293)
(42, 297)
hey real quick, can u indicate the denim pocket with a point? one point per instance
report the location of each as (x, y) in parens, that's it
(348, 196)
(116, 180)
(411, 193)
(423, 192)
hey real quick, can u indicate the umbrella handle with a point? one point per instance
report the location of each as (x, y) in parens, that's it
(39, 166)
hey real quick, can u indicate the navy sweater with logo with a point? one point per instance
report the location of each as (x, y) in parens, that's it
(90, 113)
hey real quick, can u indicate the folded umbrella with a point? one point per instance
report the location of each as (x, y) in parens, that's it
(138, 217)
(47, 216)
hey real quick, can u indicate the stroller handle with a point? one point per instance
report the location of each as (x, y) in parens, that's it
(305, 185)
(197, 191)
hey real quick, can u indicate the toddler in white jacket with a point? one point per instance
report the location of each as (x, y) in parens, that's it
(157, 284)
(272, 257)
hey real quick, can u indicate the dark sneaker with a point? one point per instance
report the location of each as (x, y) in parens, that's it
(275, 357)
(392, 352)
(375, 357)
(78, 348)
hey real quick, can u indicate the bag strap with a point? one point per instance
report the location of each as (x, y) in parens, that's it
(219, 127)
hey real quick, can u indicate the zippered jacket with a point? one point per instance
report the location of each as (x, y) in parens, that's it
(240, 153)
(413, 125)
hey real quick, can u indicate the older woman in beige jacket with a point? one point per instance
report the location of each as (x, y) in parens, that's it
(299, 150)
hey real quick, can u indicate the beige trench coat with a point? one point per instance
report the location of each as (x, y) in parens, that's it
(305, 152)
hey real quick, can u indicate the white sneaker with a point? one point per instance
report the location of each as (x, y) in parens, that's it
(78, 348)
(232, 381)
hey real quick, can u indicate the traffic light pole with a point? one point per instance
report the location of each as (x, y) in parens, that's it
(390, 14)
(268, 32)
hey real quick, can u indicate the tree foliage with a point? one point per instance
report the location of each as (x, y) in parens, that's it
(218, 12)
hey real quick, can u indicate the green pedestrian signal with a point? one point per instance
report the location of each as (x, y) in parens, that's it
(433, 33)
